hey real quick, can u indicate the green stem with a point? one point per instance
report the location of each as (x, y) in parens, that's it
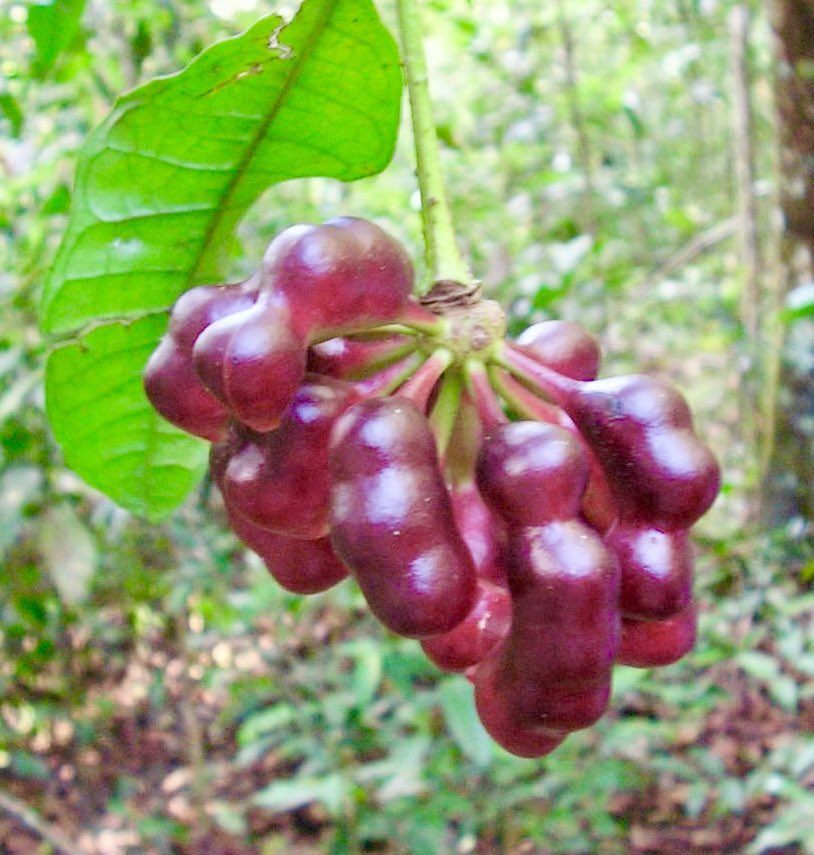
(522, 400)
(445, 412)
(444, 259)
(464, 442)
(388, 379)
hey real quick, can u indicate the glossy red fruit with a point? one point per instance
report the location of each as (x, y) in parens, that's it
(199, 307)
(481, 530)
(252, 362)
(564, 347)
(640, 429)
(530, 735)
(171, 384)
(343, 276)
(344, 273)
(174, 390)
(531, 473)
(279, 480)
(552, 672)
(392, 520)
(651, 644)
(512, 732)
(299, 566)
(476, 635)
(657, 570)
(554, 665)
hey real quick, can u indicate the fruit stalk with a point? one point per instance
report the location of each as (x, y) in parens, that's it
(444, 260)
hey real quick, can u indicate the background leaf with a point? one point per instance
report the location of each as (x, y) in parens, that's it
(18, 486)
(69, 552)
(799, 302)
(161, 185)
(457, 702)
(53, 26)
(331, 791)
(13, 113)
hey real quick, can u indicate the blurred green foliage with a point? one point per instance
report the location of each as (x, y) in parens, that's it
(301, 719)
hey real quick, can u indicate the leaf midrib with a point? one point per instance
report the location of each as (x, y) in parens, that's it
(297, 61)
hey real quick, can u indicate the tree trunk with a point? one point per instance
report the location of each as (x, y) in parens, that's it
(789, 481)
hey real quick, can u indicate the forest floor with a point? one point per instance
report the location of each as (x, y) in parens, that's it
(138, 768)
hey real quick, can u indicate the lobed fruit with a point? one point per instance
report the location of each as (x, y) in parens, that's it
(252, 362)
(279, 480)
(656, 570)
(654, 643)
(299, 566)
(477, 635)
(552, 672)
(346, 271)
(170, 381)
(392, 521)
(564, 347)
(527, 522)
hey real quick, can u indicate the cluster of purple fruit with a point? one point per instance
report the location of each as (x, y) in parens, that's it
(525, 521)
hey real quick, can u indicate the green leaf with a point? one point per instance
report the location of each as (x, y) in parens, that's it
(53, 26)
(759, 665)
(367, 671)
(160, 188)
(27, 765)
(68, 552)
(799, 302)
(231, 818)
(791, 825)
(463, 722)
(58, 202)
(10, 108)
(110, 434)
(331, 790)
(401, 773)
(162, 183)
(265, 721)
(19, 485)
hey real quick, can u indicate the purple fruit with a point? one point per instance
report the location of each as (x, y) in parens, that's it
(651, 644)
(299, 566)
(252, 362)
(174, 390)
(476, 635)
(532, 473)
(518, 736)
(280, 480)
(640, 429)
(199, 307)
(551, 674)
(392, 520)
(657, 570)
(171, 384)
(344, 273)
(554, 665)
(344, 276)
(564, 347)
